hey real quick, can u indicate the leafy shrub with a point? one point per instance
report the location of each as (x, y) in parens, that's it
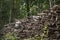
(9, 36)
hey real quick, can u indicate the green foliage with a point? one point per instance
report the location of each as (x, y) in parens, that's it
(33, 10)
(9, 36)
(45, 32)
(23, 11)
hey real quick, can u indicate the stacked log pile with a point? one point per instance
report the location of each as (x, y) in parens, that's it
(25, 28)
(54, 27)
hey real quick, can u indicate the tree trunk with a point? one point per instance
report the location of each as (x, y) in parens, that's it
(28, 8)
